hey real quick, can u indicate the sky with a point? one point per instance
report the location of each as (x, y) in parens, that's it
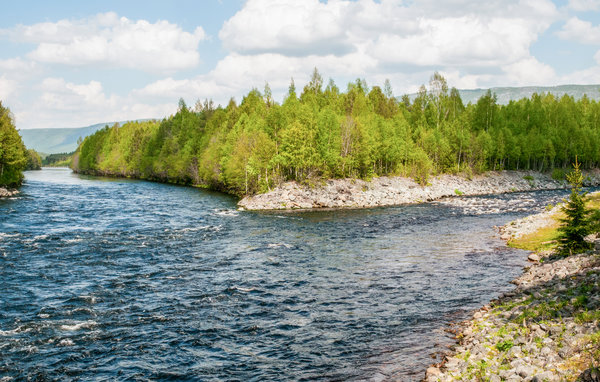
(74, 63)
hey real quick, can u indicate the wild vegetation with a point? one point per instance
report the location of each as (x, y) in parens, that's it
(363, 132)
(34, 160)
(58, 160)
(13, 154)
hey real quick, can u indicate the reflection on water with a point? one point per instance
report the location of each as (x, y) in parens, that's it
(118, 279)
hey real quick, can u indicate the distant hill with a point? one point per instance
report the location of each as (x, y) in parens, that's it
(506, 94)
(62, 140)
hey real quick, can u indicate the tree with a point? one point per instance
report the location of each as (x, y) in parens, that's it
(34, 161)
(576, 225)
(13, 155)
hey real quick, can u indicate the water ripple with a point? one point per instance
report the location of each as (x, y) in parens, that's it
(106, 279)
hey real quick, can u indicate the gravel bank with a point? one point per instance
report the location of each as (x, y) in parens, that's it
(388, 191)
(546, 329)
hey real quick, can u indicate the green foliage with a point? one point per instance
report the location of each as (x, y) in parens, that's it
(58, 160)
(504, 345)
(558, 174)
(13, 155)
(34, 161)
(576, 224)
(360, 133)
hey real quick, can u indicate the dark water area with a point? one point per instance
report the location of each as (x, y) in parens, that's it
(104, 279)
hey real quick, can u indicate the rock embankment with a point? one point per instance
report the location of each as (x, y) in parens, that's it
(4, 193)
(546, 329)
(389, 191)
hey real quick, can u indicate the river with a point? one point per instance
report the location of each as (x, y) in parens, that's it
(113, 279)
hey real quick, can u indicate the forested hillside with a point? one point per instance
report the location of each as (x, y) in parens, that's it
(506, 94)
(362, 132)
(13, 154)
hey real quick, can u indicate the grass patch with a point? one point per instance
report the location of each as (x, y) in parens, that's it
(542, 239)
(587, 316)
(545, 237)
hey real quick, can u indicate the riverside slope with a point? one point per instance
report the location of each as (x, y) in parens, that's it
(546, 329)
(389, 191)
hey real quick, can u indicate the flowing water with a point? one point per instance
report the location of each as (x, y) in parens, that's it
(104, 279)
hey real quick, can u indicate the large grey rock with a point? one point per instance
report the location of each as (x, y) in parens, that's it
(546, 376)
(525, 371)
(590, 375)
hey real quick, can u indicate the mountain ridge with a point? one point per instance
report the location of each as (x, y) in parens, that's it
(61, 140)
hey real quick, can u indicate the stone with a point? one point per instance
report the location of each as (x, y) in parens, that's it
(590, 375)
(433, 372)
(546, 350)
(533, 257)
(525, 371)
(505, 374)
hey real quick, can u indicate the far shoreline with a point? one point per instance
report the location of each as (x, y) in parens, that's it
(335, 194)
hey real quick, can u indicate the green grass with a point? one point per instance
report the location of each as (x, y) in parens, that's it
(540, 240)
(546, 238)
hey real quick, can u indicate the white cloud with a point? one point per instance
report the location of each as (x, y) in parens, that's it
(7, 88)
(465, 41)
(583, 77)
(365, 38)
(531, 72)
(106, 39)
(236, 74)
(67, 104)
(17, 65)
(426, 30)
(14, 72)
(584, 5)
(580, 31)
(288, 26)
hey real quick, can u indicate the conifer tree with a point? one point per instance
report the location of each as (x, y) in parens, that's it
(576, 223)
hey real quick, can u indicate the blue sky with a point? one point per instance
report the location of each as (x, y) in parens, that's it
(76, 63)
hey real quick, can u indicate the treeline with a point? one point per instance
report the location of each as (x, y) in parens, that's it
(58, 160)
(13, 154)
(363, 132)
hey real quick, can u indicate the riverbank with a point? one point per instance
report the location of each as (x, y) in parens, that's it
(389, 191)
(546, 329)
(4, 193)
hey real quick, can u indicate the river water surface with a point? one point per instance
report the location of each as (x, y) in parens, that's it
(104, 279)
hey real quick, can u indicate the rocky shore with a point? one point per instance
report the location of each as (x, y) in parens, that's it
(4, 193)
(546, 329)
(389, 191)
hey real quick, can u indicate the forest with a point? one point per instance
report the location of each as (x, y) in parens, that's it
(362, 132)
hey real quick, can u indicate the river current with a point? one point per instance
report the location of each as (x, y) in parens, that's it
(112, 279)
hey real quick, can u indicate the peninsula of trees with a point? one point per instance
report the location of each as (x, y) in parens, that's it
(360, 133)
